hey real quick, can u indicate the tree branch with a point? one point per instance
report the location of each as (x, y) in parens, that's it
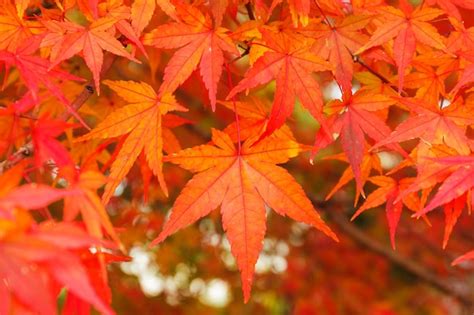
(250, 13)
(27, 150)
(460, 291)
(371, 70)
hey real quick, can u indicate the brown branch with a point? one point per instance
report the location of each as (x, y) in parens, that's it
(371, 70)
(378, 75)
(458, 290)
(27, 150)
(250, 13)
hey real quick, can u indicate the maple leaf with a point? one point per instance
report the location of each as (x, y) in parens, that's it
(353, 119)
(127, 30)
(253, 115)
(299, 10)
(337, 42)
(168, 7)
(429, 81)
(452, 212)
(29, 196)
(141, 14)
(242, 181)
(90, 260)
(141, 119)
(20, 106)
(14, 31)
(80, 197)
(433, 125)
(39, 255)
(218, 9)
(387, 193)
(369, 162)
(87, 203)
(429, 173)
(467, 76)
(199, 43)
(45, 145)
(463, 258)
(170, 145)
(408, 26)
(67, 39)
(38, 259)
(454, 172)
(35, 70)
(461, 38)
(450, 6)
(455, 185)
(291, 63)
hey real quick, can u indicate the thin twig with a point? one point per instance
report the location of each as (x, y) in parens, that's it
(378, 75)
(250, 13)
(366, 66)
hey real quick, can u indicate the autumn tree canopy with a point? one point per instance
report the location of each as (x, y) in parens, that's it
(204, 157)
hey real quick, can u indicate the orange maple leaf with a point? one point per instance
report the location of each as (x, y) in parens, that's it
(370, 161)
(199, 43)
(68, 39)
(354, 118)
(460, 181)
(141, 14)
(429, 81)
(253, 120)
(86, 202)
(337, 42)
(242, 181)
(29, 196)
(387, 193)
(450, 6)
(408, 26)
(433, 125)
(141, 119)
(291, 63)
(14, 31)
(38, 259)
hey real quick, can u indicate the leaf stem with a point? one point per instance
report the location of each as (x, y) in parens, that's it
(323, 14)
(237, 122)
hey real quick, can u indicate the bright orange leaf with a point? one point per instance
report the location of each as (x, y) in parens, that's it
(242, 181)
(141, 119)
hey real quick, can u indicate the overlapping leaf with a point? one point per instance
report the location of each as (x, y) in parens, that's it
(35, 260)
(290, 62)
(407, 26)
(13, 29)
(199, 43)
(67, 39)
(28, 196)
(337, 43)
(433, 125)
(142, 120)
(39, 258)
(36, 71)
(387, 193)
(354, 118)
